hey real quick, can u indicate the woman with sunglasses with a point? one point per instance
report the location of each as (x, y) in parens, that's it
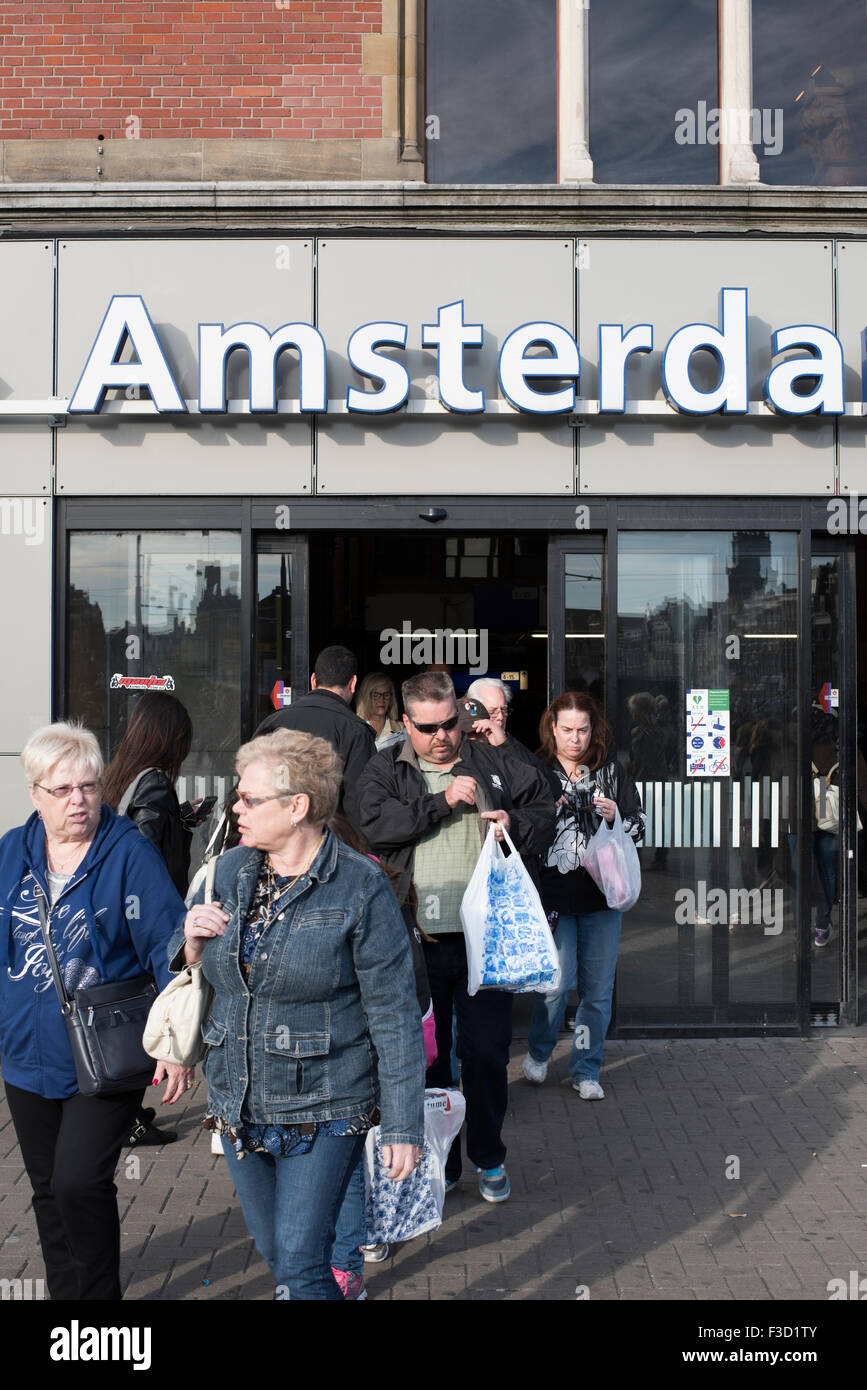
(111, 909)
(314, 1031)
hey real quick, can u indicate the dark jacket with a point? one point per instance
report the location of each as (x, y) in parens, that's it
(112, 921)
(327, 1025)
(326, 715)
(156, 812)
(397, 809)
(566, 886)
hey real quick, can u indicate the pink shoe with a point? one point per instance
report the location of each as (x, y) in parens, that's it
(351, 1285)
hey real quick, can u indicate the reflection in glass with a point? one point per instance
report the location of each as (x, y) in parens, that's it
(585, 634)
(826, 960)
(273, 635)
(713, 937)
(151, 603)
(651, 94)
(809, 65)
(491, 91)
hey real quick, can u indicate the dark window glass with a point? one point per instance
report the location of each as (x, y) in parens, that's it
(710, 617)
(491, 98)
(653, 91)
(159, 603)
(273, 634)
(809, 91)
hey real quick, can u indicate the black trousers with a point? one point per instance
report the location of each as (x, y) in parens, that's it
(484, 1032)
(70, 1150)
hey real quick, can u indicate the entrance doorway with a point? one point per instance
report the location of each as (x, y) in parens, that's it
(478, 605)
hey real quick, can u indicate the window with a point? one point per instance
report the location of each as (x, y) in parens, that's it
(491, 103)
(810, 91)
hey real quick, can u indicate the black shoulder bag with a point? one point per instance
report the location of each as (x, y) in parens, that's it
(104, 1024)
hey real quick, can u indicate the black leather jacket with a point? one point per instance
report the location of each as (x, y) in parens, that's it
(156, 812)
(397, 809)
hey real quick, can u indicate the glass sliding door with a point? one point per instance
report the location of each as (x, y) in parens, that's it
(159, 610)
(707, 724)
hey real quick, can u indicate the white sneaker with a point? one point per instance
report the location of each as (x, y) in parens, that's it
(588, 1090)
(534, 1071)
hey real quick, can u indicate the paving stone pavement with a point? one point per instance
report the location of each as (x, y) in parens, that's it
(728, 1169)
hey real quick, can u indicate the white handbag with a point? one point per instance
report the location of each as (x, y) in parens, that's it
(174, 1027)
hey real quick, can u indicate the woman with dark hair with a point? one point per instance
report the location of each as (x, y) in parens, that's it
(140, 782)
(590, 786)
(140, 779)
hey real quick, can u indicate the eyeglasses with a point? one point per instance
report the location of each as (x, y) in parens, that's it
(86, 789)
(251, 802)
(381, 694)
(499, 711)
(447, 725)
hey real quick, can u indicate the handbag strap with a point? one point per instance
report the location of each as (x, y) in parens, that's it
(210, 875)
(50, 952)
(127, 798)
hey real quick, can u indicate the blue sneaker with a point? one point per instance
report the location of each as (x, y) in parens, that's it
(451, 1184)
(494, 1184)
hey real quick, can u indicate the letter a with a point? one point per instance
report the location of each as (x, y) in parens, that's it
(126, 318)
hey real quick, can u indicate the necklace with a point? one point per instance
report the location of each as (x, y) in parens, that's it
(55, 865)
(275, 893)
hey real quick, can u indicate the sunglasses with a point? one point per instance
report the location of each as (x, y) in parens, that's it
(447, 725)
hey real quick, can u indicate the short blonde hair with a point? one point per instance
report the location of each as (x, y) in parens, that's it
(297, 762)
(60, 743)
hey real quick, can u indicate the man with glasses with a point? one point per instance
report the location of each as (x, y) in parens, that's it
(425, 807)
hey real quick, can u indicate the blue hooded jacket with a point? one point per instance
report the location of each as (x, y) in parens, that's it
(112, 921)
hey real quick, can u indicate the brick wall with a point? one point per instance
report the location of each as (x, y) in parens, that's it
(274, 69)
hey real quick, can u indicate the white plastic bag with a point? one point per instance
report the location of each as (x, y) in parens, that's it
(611, 860)
(401, 1210)
(509, 942)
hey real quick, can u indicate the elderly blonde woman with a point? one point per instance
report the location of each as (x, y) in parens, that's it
(376, 703)
(314, 1030)
(112, 911)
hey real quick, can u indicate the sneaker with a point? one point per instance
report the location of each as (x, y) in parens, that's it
(351, 1285)
(494, 1184)
(373, 1253)
(822, 936)
(451, 1184)
(534, 1071)
(588, 1090)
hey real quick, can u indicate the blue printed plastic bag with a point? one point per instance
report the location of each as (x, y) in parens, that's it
(401, 1210)
(509, 943)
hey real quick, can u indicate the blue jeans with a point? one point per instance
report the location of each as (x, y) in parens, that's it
(351, 1224)
(587, 946)
(290, 1206)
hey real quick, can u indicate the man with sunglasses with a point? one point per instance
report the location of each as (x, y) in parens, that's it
(426, 807)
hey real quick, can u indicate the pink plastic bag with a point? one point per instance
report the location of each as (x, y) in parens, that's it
(611, 860)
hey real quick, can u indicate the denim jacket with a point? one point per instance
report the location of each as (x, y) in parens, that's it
(327, 1024)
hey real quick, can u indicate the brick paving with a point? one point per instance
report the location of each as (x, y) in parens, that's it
(625, 1199)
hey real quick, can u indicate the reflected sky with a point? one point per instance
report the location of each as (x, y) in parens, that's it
(647, 61)
(658, 568)
(103, 565)
(491, 82)
(809, 61)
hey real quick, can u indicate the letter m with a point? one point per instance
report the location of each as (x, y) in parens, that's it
(215, 344)
(10, 1289)
(748, 903)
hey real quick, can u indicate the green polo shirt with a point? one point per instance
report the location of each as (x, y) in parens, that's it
(445, 858)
